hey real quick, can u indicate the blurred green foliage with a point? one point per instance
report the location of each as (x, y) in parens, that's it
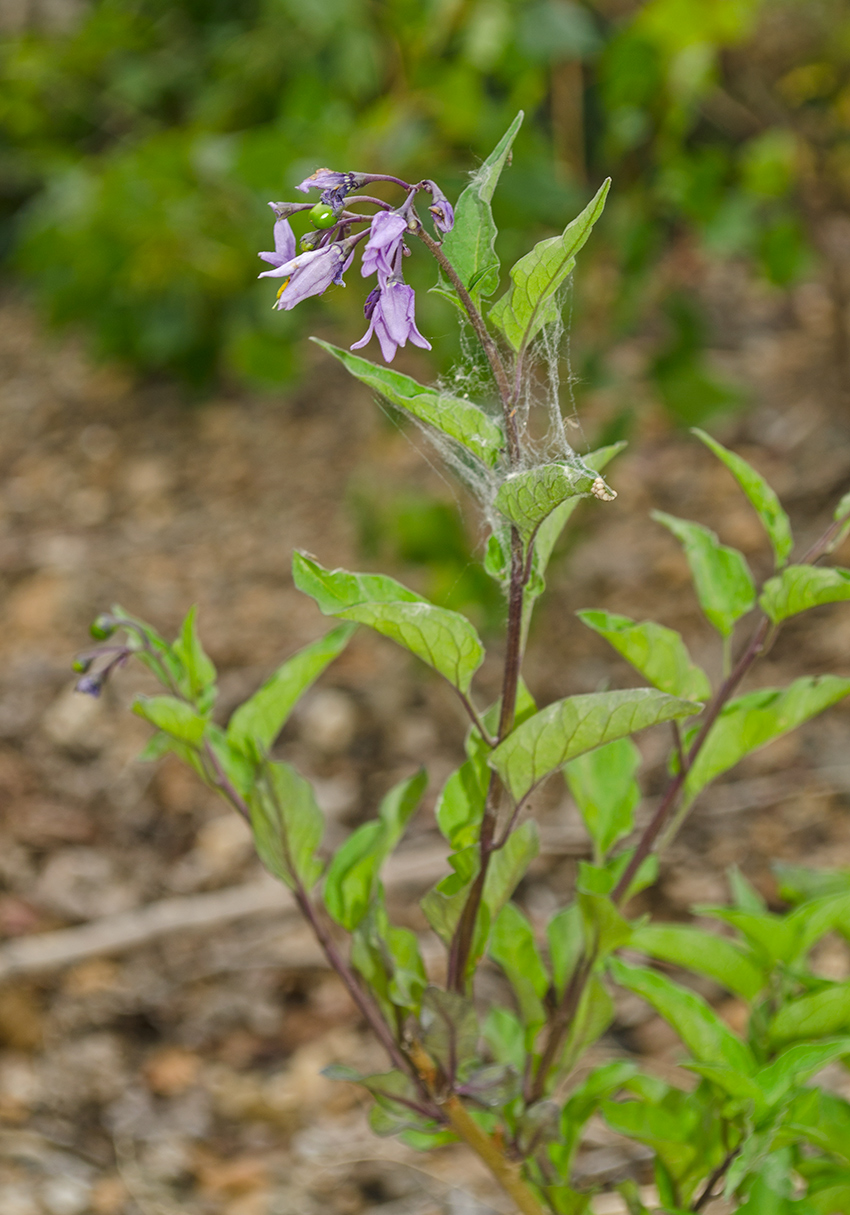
(138, 149)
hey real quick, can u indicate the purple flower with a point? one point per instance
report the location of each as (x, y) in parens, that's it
(441, 209)
(90, 685)
(310, 273)
(385, 238)
(284, 244)
(334, 186)
(389, 310)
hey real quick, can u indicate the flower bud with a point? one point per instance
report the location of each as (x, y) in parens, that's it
(309, 241)
(102, 628)
(322, 216)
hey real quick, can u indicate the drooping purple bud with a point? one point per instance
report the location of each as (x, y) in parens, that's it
(283, 210)
(441, 209)
(90, 685)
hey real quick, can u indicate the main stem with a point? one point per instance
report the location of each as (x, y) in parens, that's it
(485, 338)
(464, 935)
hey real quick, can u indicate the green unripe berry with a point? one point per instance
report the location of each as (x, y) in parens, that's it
(81, 665)
(322, 216)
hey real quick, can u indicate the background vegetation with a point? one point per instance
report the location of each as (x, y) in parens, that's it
(141, 139)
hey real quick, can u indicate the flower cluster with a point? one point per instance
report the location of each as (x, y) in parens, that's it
(325, 254)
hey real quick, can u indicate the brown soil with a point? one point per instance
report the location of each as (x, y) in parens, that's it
(183, 1074)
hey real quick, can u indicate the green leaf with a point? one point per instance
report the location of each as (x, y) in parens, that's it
(470, 246)
(570, 727)
(594, 1014)
(389, 961)
(800, 587)
(460, 806)
(798, 1064)
(604, 788)
(173, 716)
(526, 498)
(455, 417)
(554, 523)
(287, 825)
(494, 1085)
(657, 652)
(337, 590)
(444, 903)
(352, 876)
(751, 721)
(505, 1035)
(604, 927)
(565, 934)
(531, 300)
(762, 497)
(702, 952)
(198, 680)
(771, 937)
(722, 579)
(508, 866)
(819, 1015)
(449, 1031)
(841, 515)
(513, 947)
(699, 1027)
(583, 1102)
(443, 639)
(798, 884)
(256, 724)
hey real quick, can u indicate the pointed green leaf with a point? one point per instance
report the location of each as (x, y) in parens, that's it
(762, 497)
(604, 788)
(443, 639)
(508, 866)
(444, 902)
(657, 652)
(460, 806)
(336, 590)
(389, 960)
(722, 579)
(513, 947)
(565, 934)
(819, 1015)
(470, 246)
(353, 873)
(528, 497)
(287, 825)
(751, 721)
(456, 417)
(449, 1031)
(570, 727)
(531, 300)
(198, 680)
(554, 523)
(256, 724)
(798, 1064)
(800, 587)
(702, 952)
(173, 716)
(696, 1023)
(594, 1014)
